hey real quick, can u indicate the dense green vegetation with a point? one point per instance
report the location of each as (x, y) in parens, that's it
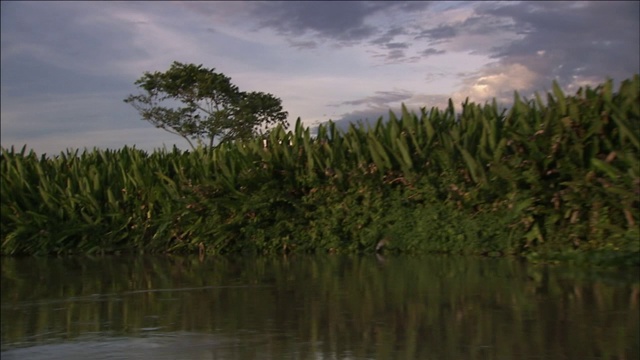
(552, 179)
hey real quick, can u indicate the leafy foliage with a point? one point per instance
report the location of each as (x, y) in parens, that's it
(561, 177)
(213, 108)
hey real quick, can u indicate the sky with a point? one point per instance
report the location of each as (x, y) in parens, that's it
(66, 67)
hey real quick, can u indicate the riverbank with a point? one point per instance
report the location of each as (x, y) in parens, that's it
(551, 180)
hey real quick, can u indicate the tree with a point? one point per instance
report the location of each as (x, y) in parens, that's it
(212, 107)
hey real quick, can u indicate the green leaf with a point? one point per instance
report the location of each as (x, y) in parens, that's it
(606, 168)
(560, 98)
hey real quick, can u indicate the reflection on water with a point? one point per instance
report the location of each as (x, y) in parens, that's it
(314, 307)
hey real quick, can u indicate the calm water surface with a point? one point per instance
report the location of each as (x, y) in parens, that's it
(315, 307)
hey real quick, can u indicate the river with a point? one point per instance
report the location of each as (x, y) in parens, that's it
(315, 307)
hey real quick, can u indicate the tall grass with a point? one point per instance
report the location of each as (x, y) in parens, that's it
(554, 176)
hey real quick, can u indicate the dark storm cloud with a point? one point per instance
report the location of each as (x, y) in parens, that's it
(335, 20)
(308, 24)
(342, 23)
(568, 39)
(533, 43)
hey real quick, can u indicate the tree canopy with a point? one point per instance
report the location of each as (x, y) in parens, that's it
(199, 104)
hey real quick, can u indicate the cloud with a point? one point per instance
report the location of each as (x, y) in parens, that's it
(497, 81)
(302, 44)
(339, 58)
(342, 21)
(340, 24)
(563, 41)
(381, 98)
(124, 39)
(530, 44)
(438, 33)
(396, 45)
(376, 106)
(388, 36)
(366, 117)
(69, 36)
(431, 52)
(379, 106)
(473, 35)
(394, 55)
